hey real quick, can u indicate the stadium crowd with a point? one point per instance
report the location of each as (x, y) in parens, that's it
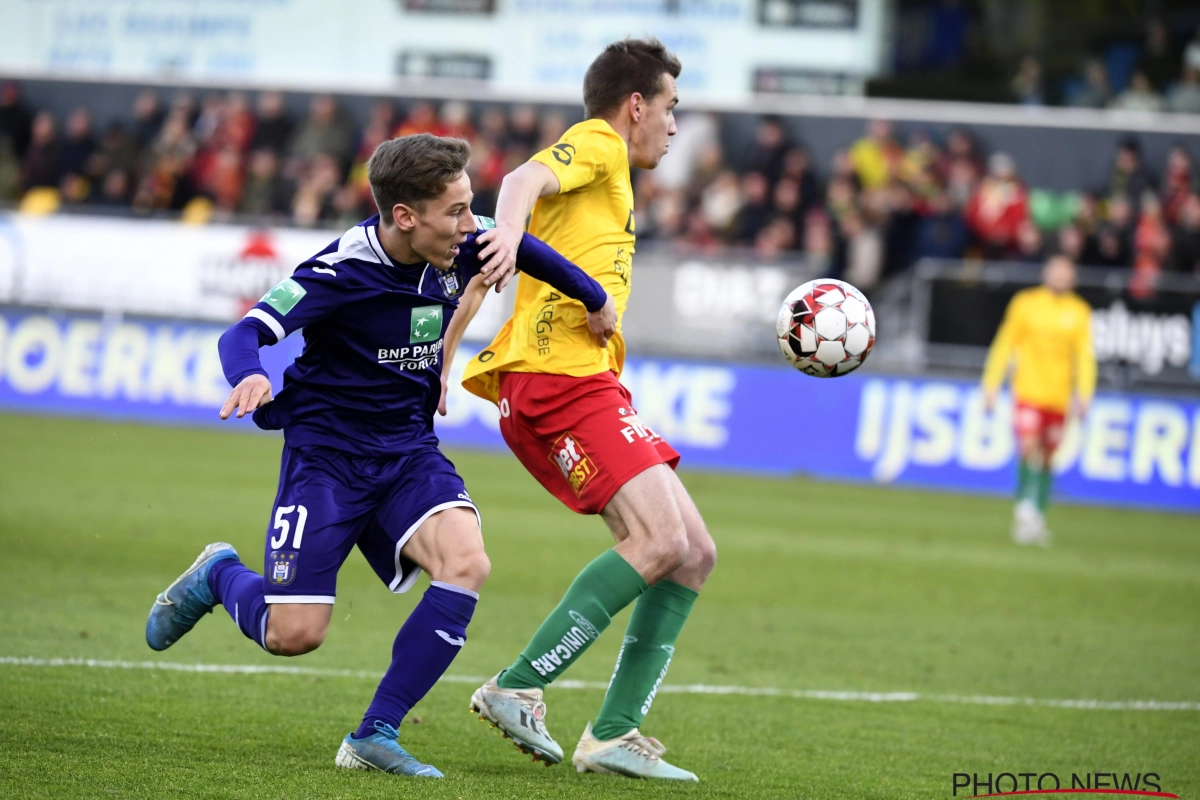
(880, 205)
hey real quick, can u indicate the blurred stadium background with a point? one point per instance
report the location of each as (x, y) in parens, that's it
(163, 164)
(177, 161)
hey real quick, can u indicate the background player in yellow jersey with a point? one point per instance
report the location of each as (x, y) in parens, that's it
(552, 370)
(1046, 338)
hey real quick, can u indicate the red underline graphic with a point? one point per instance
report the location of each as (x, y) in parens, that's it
(1078, 791)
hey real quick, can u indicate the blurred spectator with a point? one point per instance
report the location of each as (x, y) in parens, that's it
(777, 236)
(523, 132)
(422, 118)
(1151, 246)
(15, 119)
(864, 251)
(721, 201)
(696, 133)
(1184, 98)
(10, 171)
(1191, 53)
(115, 151)
(274, 129)
(1095, 92)
(41, 165)
(818, 242)
(1186, 238)
(551, 129)
(328, 131)
(1027, 83)
(1071, 243)
(266, 192)
(115, 190)
(1107, 248)
(313, 200)
(998, 207)
(941, 233)
(1130, 176)
(1159, 61)
(960, 168)
(755, 212)
(1030, 246)
(877, 155)
(456, 121)
(1177, 182)
(147, 117)
(797, 167)
(771, 141)
(77, 149)
(1140, 96)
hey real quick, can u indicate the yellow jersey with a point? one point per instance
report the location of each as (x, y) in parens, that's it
(590, 222)
(1050, 337)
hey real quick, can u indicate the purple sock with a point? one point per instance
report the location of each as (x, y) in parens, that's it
(429, 640)
(240, 590)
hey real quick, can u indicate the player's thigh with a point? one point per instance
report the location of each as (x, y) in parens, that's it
(424, 485)
(449, 546)
(320, 509)
(646, 506)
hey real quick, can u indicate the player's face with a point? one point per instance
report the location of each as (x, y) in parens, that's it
(652, 131)
(444, 224)
(1059, 275)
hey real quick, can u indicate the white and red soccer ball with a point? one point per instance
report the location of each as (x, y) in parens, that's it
(826, 328)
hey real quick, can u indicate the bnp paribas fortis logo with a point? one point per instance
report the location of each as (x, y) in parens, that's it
(426, 324)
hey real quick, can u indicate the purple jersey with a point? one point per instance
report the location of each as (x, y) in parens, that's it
(369, 378)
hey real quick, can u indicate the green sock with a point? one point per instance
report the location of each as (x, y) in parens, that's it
(603, 588)
(1045, 480)
(1029, 482)
(642, 664)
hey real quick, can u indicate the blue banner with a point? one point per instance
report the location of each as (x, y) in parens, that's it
(1133, 449)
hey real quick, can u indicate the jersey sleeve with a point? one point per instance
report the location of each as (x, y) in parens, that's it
(1000, 353)
(312, 292)
(582, 158)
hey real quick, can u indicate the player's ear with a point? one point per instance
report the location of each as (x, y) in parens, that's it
(404, 217)
(636, 106)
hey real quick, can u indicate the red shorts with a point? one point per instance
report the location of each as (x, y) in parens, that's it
(1045, 426)
(580, 437)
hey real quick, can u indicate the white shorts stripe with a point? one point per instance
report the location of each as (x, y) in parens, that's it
(299, 598)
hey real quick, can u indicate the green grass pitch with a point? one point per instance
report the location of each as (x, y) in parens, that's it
(819, 586)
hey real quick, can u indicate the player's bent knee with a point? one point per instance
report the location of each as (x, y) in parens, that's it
(702, 556)
(294, 642)
(293, 630)
(468, 570)
(670, 549)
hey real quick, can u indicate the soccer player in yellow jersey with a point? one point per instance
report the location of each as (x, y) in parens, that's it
(553, 373)
(1046, 337)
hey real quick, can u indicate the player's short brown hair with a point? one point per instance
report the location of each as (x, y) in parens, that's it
(413, 169)
(625, 67)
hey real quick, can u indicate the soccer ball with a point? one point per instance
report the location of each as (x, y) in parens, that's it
(826, 328)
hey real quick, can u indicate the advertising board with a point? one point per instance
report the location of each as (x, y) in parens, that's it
(1132, 450)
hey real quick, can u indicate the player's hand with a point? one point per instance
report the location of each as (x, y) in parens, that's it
(499, 255)
(989, 400)
(603, 323)
(442, 399)
(252, 393)
(1081, 408)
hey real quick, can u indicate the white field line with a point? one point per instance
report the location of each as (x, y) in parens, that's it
(694, 688)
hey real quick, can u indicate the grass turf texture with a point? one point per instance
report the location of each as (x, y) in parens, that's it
(819, 586)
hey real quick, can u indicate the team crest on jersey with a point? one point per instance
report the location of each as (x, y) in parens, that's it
(576, 467)
(451, 281)
(283, 568)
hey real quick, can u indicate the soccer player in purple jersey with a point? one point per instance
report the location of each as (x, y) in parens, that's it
(361, 464)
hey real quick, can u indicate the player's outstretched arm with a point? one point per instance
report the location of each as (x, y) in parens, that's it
(546, 264)
(519, 192)
(999, 357)
(468, 307)
(238, 349)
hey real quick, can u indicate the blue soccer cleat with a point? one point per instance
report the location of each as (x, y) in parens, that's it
(382, 751)
(181, 605)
